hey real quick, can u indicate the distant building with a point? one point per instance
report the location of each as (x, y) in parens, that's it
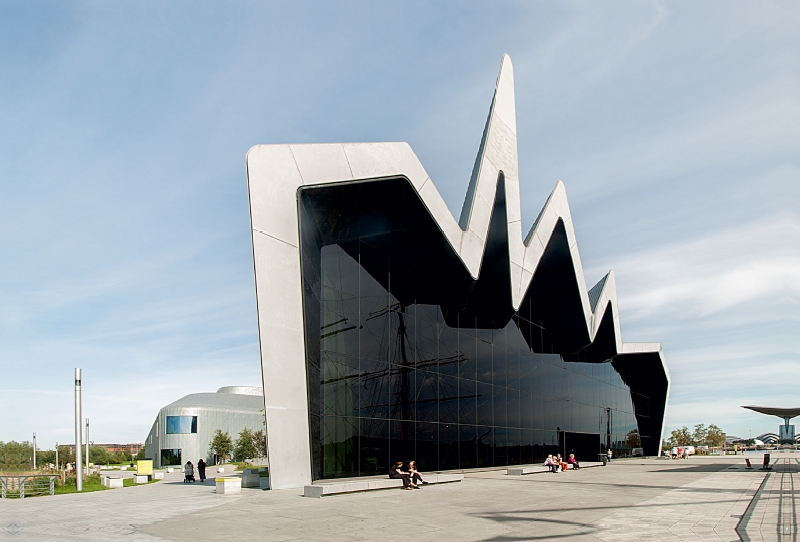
(183, 430)
(131, 448)
(773, 438)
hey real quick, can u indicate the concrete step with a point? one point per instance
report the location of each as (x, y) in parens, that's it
(322, 489)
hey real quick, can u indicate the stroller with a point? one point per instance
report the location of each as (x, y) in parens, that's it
(188, 472)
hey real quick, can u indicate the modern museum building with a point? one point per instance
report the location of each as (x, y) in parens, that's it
(182, 430)
(391, 330)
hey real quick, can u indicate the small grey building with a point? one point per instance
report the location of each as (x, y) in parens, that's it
(183, 430)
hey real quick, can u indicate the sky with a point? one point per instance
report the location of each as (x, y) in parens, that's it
(124, 224)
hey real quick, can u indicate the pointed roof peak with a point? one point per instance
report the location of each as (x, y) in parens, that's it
(504, 106)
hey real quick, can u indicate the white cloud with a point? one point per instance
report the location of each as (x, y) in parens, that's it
(714, 273)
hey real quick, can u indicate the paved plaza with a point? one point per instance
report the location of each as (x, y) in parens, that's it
(645, 499)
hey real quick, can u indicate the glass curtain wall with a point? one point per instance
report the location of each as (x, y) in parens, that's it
(396, 383)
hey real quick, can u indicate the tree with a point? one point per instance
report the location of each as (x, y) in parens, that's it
(714, 436)
(45, 457)
(66, 454)
(221, 444)
(16, 456)
(681, 437)
(245, 447)
(99, 455)
(119, 458)
(700, 433)
(260, 442)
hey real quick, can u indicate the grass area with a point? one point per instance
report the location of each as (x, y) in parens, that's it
(240, 465)
(128, 482)
(90, 483)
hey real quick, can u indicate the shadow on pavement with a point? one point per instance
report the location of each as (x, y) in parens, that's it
(697, 468)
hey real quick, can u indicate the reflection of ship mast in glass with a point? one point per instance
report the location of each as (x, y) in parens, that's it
(399, 354)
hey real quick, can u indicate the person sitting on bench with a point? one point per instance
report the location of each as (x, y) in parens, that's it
(551, 464)
(572, 461)
(396, 471)
(416, 477)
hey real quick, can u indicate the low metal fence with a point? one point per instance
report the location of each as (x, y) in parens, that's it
(27, 485)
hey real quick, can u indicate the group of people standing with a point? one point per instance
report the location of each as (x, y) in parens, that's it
(411, 476)
(556, 464)
(188, 471)
(677, 453)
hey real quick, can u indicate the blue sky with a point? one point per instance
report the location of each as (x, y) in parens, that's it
(124, 225)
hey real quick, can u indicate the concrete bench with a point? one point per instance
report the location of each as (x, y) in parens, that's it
(534, 469)
(141, 478)
(111, 481)
(353, 486)
(254, 478)
(530, 469)
(251, 478)
(228, 485)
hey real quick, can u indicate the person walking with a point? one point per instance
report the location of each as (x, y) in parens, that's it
(188, 472)
(201, 470)
(609, 455)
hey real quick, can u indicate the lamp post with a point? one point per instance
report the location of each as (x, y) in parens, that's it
(87, 446)
(57, 466)
(34, 450)
(78, 433)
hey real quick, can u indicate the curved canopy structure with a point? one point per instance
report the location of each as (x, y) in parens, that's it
(785, 431)
(785, 413)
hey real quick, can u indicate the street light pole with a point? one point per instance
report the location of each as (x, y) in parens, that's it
(87, 446)
(57, 467)
(78, 433)
(34, 450)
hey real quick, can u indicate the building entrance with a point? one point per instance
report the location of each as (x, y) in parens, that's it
(170, 457)
(585, 446)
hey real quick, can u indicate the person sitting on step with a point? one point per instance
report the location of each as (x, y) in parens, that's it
(416, 477)
(561, 463)
(396, 471)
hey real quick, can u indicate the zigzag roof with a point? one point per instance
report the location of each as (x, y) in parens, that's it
(278, 173)
(296, 166)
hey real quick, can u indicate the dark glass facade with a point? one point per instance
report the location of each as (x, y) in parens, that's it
(398, 383)
(409, 357)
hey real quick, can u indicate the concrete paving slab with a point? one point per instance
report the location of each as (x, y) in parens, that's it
(641, 499)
